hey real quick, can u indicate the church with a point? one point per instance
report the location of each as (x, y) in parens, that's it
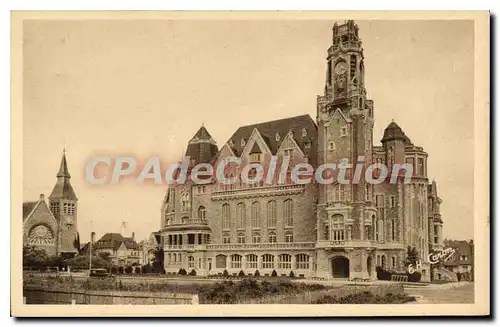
(313, 230)
(52, 225)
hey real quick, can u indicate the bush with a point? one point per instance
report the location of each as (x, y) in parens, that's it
(120, 270)
(114, 270)
(225, 273)
(146, 269)
(292, 275)
(128, 270)
(366, 298)
(138, 270)
(182, 272)
(415, 277)
(274, 274)
(192, 272)
(257, 273)
(241, 273)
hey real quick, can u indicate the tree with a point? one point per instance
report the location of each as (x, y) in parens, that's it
(34, 257)
(106, 256)
(412, 256)
(158, 266)
(82, 261)
(76, 243)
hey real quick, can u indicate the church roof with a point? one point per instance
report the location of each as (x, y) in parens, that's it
(28, 208)
(63, 188)
(394, 132)
(202, 147)
(269, 131)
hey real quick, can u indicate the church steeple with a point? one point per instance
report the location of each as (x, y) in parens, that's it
(63, 169)
(63, 188)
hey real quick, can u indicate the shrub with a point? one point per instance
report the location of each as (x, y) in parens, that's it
(415, 277)
(146, 269)
(182, 272)
(120, 270)
(292, 275)
(138, 270)
(257, 273)
(274, 274)
(366, 298)
(241, 273)
(114, 270)
(192, 272)
(128, 270)
(225, 273)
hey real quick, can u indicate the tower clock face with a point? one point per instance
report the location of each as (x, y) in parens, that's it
(340, 68)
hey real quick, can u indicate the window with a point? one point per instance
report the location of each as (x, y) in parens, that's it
(252, 261)
(288, 153)
(393, 229)
(307, 144)
(379, 199)
(343, 131)
(256, 238)
(202, 189)
(420, 166)
(374, 228)
(254, 157)
(241, 238)
(304, 132)
(285, 261)
(393, 201)
(327, 232)
(331, 146)
(267, 261)
(368, 193)
(240, 215)
(463, 258)
(277, 137)
(175, 257)
(339, 193)
(271, 214)
(272, 237)
(383, 263)
(185, 220)
(226, 223)
(184, 201)
(288, 237)
(199, 263)
(180, 257)
(393, 262)
(226, 239)
(243, 142)
(220, 261)
(302, 261)
(288, 213)
(337, 228)
(202, 213)
(236, 261)
(255, 215)
(169, 258)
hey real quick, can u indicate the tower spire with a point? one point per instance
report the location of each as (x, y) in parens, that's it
(63, 168)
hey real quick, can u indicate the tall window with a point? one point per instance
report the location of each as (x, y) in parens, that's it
(201, 212)
(384, 263)
(240, 215)
(236, 261)
(420, 166)
(379, 200)
(252, 261)
(226, 239)
(184, 201)
(272, 237)
(288, 213)
(327, 232)
(271, 214)
(393, 201)
(289, 237)
(268, 261)
(285, 261)
(374, 228)
(226, 217)
(241, 238)
(339, 193)
(255, 212)
(302, 261)
(338, 228)
(393, 262)
(393, 229)
(256, 238)
(191, 261)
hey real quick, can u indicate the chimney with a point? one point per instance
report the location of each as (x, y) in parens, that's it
(42, 197)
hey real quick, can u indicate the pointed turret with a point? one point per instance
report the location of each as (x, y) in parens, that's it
(202, 147)
(63, 188)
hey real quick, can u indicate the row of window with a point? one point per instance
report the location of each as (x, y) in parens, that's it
(382, 261)
(256, 238)
(68, 208)
(284, 261)
(255, 213)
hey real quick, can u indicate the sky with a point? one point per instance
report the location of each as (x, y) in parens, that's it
(142, 88)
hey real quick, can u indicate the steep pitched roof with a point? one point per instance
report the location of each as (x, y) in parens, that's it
(202, 147)
(28, 208)
(63, 168)
(269, 130)
(462, 248)
(63, 188)
(114, 241)
(394, 132)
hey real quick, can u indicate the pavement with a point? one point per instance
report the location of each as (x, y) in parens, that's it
(457, 292)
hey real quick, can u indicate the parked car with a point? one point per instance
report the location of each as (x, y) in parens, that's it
(100, 272)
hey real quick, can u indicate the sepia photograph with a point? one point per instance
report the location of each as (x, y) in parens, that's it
(175, 162)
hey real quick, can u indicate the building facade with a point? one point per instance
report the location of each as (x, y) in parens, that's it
(462, 261)
(331, 230)
(52, 226)
(123, 251)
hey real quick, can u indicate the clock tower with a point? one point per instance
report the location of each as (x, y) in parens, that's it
(63, 204)
(345, 135)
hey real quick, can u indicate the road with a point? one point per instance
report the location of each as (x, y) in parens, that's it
(444, 293)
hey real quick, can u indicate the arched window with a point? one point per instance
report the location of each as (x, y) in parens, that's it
(271, 214)
(338, 228)
(272, 237)
(180, 257)
(190, 261)
(184, 201)
(285, 261)
(226, 216)
(256, 237)
(302, 261)
(288, 213)
(289, 237)
(226, 239)
(202, 213)
(241, 238)
(175, 257)
(240, 215)
(268, 261)
(236, 261)
(384, 262)
(251, 261)
(220, 261)
(169, 258)
(255, 212)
